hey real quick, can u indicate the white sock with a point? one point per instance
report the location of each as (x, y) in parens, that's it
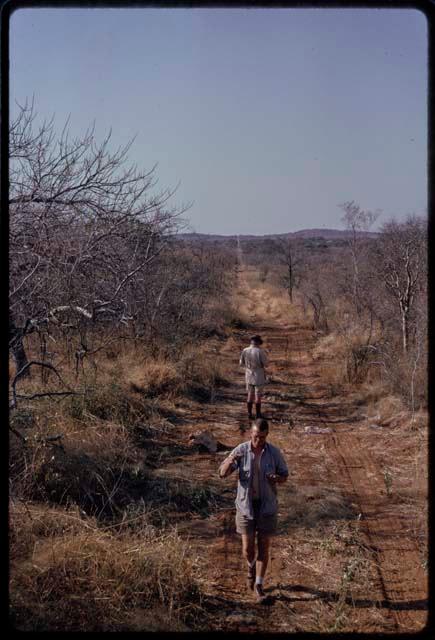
(251, 564)
(259, 580)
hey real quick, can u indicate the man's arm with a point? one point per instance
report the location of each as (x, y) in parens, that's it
(229, 465)
(264, 358)
(281, 471)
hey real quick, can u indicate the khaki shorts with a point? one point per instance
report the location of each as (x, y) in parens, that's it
(255, 387)
(263, 524)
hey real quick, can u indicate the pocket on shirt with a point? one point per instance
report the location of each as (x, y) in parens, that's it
(244, 475)
(269, 467)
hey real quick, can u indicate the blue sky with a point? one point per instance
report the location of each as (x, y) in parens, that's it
(268, 118)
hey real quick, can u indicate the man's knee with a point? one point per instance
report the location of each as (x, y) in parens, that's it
(248, 549)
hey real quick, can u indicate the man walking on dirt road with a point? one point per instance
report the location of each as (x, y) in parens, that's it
(261, 467)
(254, 359)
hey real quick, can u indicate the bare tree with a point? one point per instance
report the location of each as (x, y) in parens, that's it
(318, 286)
(290, 252)
(176, 296)
(402, 267)
(357, 220)
(83, 226)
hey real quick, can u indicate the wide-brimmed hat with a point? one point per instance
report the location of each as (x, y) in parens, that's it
(257, 339)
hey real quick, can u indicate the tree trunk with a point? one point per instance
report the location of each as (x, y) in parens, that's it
(290, 283)
(405, 331)
(16, 347)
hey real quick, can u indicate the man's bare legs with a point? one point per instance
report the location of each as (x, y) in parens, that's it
(262, 561)
(250, 401)
(257, 402)
(254, 393)
(263, 554)
(248, 547)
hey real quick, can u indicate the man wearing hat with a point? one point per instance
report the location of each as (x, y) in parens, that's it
(254, 359)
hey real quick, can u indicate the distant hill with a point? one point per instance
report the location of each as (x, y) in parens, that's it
(331, 233)
(327, 234)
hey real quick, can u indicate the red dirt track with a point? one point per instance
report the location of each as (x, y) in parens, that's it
(335, 509)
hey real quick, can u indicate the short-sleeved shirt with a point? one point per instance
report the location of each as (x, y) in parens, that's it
(254, 360)
(271, 461)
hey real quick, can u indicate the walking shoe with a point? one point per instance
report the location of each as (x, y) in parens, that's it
(259, 593)
(252, 574)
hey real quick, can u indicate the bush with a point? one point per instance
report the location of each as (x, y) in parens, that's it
(89, 580)
(154, 377)
(105, 401)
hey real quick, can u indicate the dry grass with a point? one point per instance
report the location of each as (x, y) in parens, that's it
(341, 570)
(123, 366)
(309, 505)
(124, 392)
(396, 437)
(196, 372)
(154, 377)
(83, 450)
(120, 568)
(329, 347)
(266, 299)
(70, 575)
(92, 548)
(220, 317)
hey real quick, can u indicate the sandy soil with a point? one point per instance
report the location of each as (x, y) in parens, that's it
(349, 555)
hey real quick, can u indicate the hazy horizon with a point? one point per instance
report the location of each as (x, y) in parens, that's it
(302, 229)
(268, 118)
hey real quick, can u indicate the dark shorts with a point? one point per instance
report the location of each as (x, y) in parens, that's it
(263, 524)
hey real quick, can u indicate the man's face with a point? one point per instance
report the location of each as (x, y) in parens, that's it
(258, 438)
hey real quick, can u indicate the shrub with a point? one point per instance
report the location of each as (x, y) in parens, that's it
(105, 401)
(87, 579)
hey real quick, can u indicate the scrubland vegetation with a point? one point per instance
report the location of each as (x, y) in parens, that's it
(114, 326)
(108, 314)
(367, 298)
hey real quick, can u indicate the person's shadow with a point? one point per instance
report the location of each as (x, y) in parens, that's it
(332, 596)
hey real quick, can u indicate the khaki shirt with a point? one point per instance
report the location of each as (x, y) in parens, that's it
(254, 360)
(271, 461)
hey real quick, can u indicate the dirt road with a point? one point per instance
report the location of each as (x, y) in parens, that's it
(346, 556)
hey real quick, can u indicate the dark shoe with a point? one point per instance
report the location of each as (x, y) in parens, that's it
(259, 593)
(252, 574)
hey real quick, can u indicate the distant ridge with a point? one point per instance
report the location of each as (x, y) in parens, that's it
(327, 234)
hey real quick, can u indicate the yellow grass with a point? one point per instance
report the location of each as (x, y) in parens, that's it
(73, 576)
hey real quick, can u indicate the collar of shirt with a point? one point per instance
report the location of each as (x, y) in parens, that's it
(262, 450)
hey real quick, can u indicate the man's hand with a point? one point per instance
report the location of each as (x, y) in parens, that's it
(274, 478)
(225, 468)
